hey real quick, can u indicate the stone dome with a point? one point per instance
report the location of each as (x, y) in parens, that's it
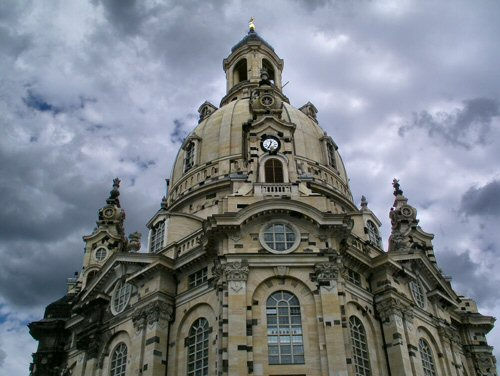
(219, 141)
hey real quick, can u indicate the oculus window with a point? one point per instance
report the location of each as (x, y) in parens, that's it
(121, 297)
(279, 237)
(418, 293)
(119, 360)
(197, 342)
(100, 253)
(284, 329)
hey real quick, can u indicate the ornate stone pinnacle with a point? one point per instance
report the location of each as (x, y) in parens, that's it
(397, 189)
(364, 202)
(113, 195)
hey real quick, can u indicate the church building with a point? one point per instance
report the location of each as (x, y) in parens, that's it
(259, 262)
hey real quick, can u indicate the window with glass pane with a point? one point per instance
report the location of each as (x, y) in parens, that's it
(119, 360)
(331, 155)
(418, 293)
(157, 236)
(189, 157)
(197, 342)
(373, 233)
(284, 329)
(101, 253)
(427, 359)
(197, 278)
(121, 296)
(274, 171)
(359, 347)
(279, 236)
(354, 277)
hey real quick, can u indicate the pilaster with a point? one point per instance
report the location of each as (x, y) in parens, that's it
(326, 276)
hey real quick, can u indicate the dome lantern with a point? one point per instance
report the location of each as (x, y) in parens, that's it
(245, 63)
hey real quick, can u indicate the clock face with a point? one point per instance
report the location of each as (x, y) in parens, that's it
(270, 144)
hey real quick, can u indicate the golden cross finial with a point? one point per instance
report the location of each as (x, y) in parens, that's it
(251, 24)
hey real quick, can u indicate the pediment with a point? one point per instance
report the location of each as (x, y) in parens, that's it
(272, 124)
(120, 265)
(417, 265)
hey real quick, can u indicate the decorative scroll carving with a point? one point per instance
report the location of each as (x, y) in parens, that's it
(326, 272)
(236, 271)
(394, 307)
(485, 364)
(154, 312)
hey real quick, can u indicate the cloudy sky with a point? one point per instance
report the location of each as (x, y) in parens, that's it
(90, 90)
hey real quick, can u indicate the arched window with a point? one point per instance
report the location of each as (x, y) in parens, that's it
(427, 359)
(157, 235)
(189, 157)
(274, 171)
(240, 71)
(197, 342)
(269, 68)
(373, 233)
(284, 329)
(359, 347)
(119, 360)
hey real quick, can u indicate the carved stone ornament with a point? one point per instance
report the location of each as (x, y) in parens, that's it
(281, 271)
(236, 271)
(154, 312)
(392, 307)
(485, 364)
(326, 272)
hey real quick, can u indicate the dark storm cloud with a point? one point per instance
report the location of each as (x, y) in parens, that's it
(43, 281)
(178, 134)
(125, 15)
(466, 127)
(482, 200)
(468, 278)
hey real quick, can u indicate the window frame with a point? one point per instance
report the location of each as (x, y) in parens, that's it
(426, 357)
(284, 325)
(121, 297)
(263, 242)
(359, 347)
(373, 233)
(157, 236)
(199, 327)
(198, 277)
(330, 151)
(354, 277)
(277, 165)
(189, 156)
(101, 248)
(121, 369)
(418, 293)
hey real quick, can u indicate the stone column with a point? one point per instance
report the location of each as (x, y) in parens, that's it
(390, 311)
(326, 276)
(153, 319)
(236, 275)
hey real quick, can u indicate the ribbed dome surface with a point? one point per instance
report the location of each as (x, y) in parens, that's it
(224, 128)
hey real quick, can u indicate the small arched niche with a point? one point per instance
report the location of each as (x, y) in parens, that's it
(240, 71)
(266, 64)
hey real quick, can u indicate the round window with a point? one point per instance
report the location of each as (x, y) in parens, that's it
(101, 253)
(279, 237)
(121, 296)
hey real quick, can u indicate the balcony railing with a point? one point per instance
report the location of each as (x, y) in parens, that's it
(275, 189)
